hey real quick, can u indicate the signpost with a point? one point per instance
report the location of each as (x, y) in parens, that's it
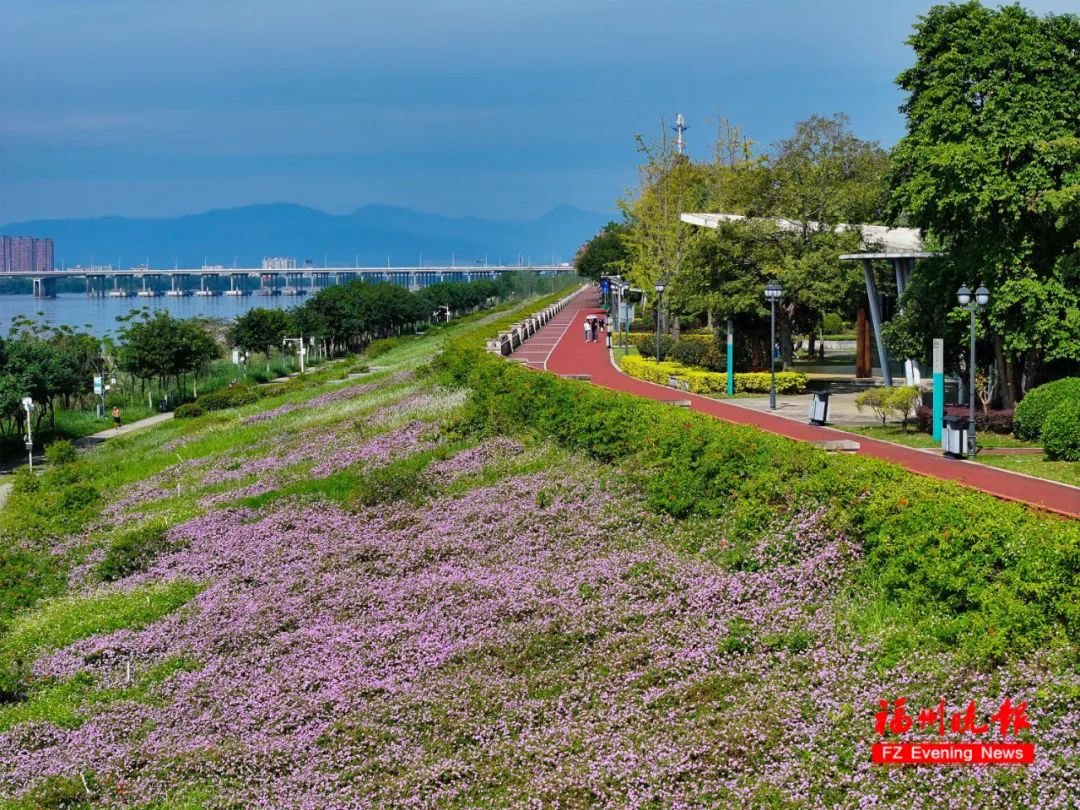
(99, 391)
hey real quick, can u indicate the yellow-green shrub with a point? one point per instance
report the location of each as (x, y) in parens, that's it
(711, 382)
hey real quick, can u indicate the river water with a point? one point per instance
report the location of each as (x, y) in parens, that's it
(98, 315)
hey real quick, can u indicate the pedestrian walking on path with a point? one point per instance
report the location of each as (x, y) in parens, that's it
(588, 330)
(116, 416)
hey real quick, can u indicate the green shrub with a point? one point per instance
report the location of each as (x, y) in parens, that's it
(60, 452)
(1061, 431)
(189, 410)
(228, 398)
(24, 482)
(380, 347)
(903, 400)
(832, 324)
(646, 345)
(401, 480)
(877, 400)
(696, 350)
(709, 383)
(687, 352)
(1038, 402)
(133, 551)
(25, 577)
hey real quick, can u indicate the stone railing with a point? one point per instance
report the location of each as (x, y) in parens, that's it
(510, 340)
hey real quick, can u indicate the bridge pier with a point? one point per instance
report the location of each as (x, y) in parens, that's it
(44, 287)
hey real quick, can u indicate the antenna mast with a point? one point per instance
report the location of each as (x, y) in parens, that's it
(680, 127)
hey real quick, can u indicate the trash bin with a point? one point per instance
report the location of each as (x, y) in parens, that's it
(819, 408)
(954, 436)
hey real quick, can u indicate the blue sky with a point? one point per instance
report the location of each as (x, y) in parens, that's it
(494, 108)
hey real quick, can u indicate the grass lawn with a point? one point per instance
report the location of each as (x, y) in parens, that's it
(1066, 472)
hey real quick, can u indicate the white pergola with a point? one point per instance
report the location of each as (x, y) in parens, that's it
(899, 246)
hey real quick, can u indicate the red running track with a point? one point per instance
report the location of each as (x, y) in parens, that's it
(560, 347)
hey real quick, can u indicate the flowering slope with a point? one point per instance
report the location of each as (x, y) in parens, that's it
(534, 640)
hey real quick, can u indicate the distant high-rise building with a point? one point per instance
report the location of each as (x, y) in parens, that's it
(25, 254)
(278, 263)
(43, 255)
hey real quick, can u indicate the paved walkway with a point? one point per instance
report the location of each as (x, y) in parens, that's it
(102, 435)
(560, 347)
(86, 441)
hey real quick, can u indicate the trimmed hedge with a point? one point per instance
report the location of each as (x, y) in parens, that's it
(993, 421)
(1061, 432)
(959, 569)
(712, 382)
(1039, 401)
(646, 345)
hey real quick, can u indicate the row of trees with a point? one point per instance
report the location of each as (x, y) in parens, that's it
(989, 170)
(348, 316)
(153, 352)
(49, 365)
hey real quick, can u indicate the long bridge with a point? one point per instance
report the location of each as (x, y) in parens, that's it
(144, 282)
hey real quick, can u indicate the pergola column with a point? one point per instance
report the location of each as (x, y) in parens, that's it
(875, 320)
(904, 267)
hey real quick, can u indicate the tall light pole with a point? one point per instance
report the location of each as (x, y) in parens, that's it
(773, 291)
(982, 298)
(660, 284)
(28, 404)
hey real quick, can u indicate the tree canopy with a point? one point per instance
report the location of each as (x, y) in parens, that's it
(990, 167)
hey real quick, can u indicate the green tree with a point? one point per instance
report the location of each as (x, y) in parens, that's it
(194, 346)
(261, 330)
(604, 254)
(656, 241)
(990, 166)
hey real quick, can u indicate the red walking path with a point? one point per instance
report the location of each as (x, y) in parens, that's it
(560, 347)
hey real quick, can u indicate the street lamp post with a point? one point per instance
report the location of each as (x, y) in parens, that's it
(982, 298)
(301, 350)
(660, 284)
(773, 291)
(624, 315)
(28, 404)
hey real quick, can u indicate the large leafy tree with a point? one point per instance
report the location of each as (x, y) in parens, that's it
(656, 241)
(990, 166)
(159, 346)
(604, 254)
(260, 330)
(821, 176)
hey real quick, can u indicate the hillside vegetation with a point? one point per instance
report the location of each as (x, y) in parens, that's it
(460, 583)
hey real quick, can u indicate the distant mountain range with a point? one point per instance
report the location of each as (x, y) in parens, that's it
(371, 233)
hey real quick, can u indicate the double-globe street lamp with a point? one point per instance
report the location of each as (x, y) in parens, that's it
(773, 291)
(982, 298)
(660, 284)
